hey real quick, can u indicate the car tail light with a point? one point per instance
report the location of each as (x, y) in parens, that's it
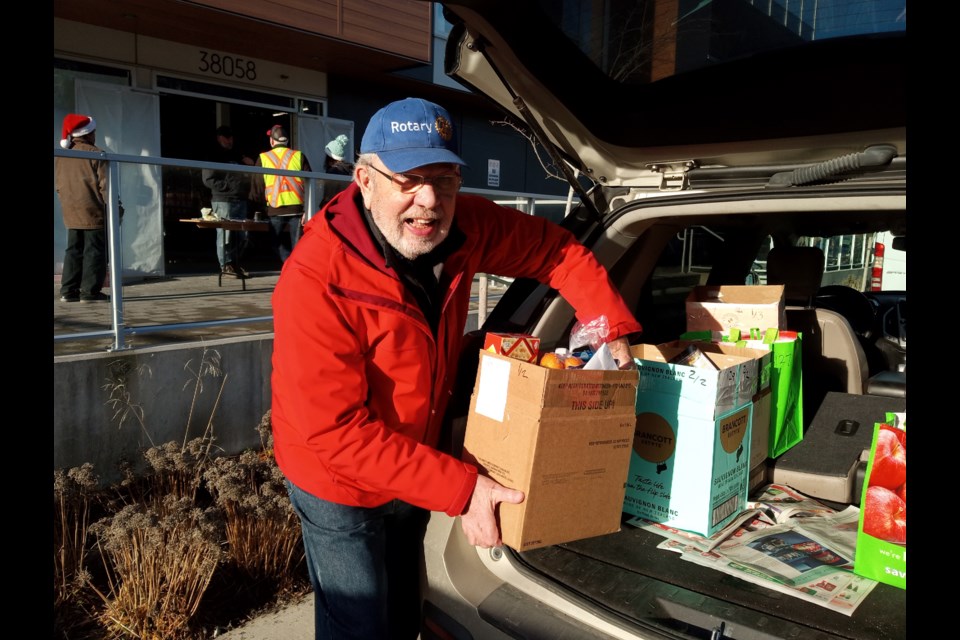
(876, 274)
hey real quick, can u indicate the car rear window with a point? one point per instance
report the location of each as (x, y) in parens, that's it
(712, 254)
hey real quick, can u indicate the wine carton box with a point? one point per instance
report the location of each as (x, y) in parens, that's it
(690, 463)
(760, 429)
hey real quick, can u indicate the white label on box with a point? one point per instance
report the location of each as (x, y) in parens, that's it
(492, 390)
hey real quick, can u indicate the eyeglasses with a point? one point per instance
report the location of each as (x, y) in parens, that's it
(410, 183)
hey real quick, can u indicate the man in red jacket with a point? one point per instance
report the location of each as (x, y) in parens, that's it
(369, 313)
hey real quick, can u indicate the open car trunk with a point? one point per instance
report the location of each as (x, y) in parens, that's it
(658, 251)
(624, 577)
(700, 137)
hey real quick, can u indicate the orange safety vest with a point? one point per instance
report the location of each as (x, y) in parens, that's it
(283, 190)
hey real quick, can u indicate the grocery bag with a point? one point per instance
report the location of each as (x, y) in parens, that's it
(882, 532)
(786, 379)
(786, 413)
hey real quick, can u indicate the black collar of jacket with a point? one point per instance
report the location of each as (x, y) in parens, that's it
(421, 276)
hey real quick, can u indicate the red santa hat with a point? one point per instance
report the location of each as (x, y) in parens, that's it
(74, 126)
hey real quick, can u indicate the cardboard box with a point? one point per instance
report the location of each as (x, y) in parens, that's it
(761, 392)
(760, 429)
(515, 345)
(783, 372)
(562, 437)
(690, 464)
(743, 307)
(882, 531)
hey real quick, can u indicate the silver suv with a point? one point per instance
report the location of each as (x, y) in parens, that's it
(697, 136)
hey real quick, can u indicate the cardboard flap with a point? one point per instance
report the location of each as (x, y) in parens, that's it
(744, 307)
(537, 391)
(737, 294)
(764, 358)
(731, 385)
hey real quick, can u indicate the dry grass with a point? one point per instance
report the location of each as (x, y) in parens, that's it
(184, 549)
(262, 529)
(178, 558)
(158, 567)
(74, 494)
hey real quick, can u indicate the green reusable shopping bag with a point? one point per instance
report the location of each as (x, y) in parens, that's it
(882, 531)
(786, 381)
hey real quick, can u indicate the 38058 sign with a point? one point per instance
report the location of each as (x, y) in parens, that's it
(227, 65)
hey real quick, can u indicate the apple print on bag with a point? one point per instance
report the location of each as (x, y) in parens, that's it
(885, 508)
(881, 551)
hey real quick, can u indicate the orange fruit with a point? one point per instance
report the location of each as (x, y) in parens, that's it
(572, 362)
(551, 361)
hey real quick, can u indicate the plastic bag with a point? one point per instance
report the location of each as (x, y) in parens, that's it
(592, 334)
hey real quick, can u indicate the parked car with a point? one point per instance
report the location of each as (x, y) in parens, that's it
(693, 135)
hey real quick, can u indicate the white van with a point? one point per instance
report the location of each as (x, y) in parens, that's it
(863, 261)
(889, 270)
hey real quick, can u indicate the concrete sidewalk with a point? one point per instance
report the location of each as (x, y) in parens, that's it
(170, 301)
(174, 300)
(293, 622)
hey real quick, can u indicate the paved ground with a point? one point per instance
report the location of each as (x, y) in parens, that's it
(155, 310)
(149, 304)
(293, 622)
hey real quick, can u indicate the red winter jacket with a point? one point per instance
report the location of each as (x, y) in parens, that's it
(359, 382)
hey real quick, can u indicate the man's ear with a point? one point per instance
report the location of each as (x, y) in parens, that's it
(362, 175)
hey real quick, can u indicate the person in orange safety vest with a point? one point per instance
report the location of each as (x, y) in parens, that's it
(283, 196)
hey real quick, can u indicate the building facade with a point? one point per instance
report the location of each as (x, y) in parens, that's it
(160, 76)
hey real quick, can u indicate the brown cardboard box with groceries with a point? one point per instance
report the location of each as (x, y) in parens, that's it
(562, 436)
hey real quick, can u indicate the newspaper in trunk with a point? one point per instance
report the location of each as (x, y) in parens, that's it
(783, 541)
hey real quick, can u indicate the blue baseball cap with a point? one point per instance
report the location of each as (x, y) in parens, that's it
(411, 133)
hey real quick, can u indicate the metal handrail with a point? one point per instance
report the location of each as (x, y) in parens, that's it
(119, 331)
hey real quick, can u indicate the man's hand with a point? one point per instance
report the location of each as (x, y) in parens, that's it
(479, 521)
(620, 350)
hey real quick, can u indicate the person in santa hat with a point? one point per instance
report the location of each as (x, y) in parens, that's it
(81, 185)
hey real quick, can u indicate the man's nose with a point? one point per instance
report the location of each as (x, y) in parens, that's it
(426, 196)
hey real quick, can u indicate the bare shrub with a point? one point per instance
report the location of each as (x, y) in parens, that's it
(262, 529)
(158, 567)
(172, 468)
(74, 494)
(178, 470)
(158, 550)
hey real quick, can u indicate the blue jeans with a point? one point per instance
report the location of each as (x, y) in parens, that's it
(230, 244)
(277, 224)
(365, 565)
